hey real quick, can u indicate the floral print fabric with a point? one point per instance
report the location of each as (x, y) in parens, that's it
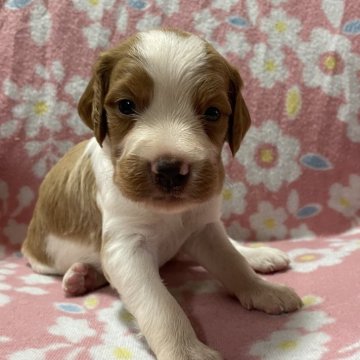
(296, 176)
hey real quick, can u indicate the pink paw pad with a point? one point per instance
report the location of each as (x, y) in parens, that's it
(80, 279)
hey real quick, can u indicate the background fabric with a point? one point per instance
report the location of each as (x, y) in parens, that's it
(296, 176)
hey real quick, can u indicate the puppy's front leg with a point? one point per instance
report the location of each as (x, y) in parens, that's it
(212, 249)
(133, 270)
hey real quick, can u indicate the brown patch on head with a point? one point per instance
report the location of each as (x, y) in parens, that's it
(117, 75)
(129, 81)
(220, 87)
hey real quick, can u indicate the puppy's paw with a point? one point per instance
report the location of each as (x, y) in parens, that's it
(197, 351)
(267, 260)
(80, 279)
(270, 298)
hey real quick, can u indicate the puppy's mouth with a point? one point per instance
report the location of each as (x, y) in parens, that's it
(168, 184)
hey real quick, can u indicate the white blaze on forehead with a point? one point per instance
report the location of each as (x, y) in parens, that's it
(171, 59)
(169, 125)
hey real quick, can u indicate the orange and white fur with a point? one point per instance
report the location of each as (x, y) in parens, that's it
(148, 186)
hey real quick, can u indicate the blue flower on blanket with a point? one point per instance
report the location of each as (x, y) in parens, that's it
(308, 210)
(238, 21)
(352, 27)
(138, 4)
(70, 308)
(316, 162)
(17, 4)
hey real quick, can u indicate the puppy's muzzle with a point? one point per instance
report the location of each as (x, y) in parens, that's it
(170, 174)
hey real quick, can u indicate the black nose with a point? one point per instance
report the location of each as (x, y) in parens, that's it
(170, 174)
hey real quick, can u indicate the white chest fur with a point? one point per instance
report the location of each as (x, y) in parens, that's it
(125, 221)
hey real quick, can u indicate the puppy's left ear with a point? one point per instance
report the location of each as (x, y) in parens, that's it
(239, 121)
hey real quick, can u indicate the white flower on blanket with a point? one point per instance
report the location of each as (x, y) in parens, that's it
(93, 8)
(346, 199)
(40, 23)
(268, 66)
(305, 260)
(309, 320)
(75, 87)
(237, 232)
(302, 233)
(277, 2)
(4, 272)
(205, 22)
(350, 113)
(291, 344)
(234, 199)
(224, 5)
(117, 321)
(15, 231)
(236, 42)
(97, 35)
(268, 222)
(4, 299)
(269, 156)
(281, 29)
(351, 352)
(74, 330)
(40, 108)
(327, 60)
(148, 22)
(48, 151)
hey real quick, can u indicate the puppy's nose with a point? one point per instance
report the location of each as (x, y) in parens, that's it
(170, 174)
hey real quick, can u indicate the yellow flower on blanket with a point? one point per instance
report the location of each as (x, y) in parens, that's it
(268, 222)
(293, 102)
(122, 353)
(290, 344)
(234, 199)
(91, 302)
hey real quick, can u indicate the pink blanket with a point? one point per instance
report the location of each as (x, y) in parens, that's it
(297, 175)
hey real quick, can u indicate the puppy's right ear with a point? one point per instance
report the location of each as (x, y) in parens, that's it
(91, 105)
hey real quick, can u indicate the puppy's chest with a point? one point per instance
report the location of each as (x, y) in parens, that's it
(166, 237)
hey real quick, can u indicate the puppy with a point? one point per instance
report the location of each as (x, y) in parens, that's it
(148, 185)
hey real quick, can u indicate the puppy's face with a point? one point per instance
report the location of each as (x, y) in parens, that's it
(166, 101)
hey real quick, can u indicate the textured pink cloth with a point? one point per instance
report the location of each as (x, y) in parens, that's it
(297, 174)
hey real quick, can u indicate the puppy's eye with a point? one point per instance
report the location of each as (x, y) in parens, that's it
(126, 107)
(212, 114)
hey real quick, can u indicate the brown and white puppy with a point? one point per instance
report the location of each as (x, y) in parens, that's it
(148, 186)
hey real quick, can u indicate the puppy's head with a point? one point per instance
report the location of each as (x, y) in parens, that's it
(166, 102)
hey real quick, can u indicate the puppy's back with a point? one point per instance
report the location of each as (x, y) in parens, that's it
(66, 206)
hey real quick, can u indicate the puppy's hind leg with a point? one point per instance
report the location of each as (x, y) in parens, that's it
(263, 259)
(79, 279)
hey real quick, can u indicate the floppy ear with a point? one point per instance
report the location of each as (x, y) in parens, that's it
(91, 105)
(239, 121)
